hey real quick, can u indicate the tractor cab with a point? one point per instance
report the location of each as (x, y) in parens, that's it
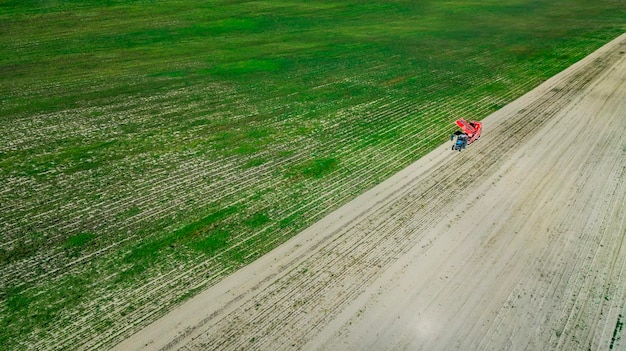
(461, 141)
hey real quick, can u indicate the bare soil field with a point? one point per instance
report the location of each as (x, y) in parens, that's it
(513, 244)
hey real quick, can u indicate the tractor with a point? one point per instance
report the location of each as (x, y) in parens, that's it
(470, 132)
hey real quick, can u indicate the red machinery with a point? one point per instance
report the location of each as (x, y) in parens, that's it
(470, 132)
(472, 129)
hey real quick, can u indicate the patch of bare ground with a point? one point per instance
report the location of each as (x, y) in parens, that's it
(515, 243)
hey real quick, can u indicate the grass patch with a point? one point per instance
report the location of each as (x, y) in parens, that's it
(148, 251)
(314, 168)
(255, 162)
(211, 241)
(74, 244)
(258, 220)
(245, 67)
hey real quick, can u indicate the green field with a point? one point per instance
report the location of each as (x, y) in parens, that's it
(149, 148)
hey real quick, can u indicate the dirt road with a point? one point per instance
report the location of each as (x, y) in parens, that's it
(516, 243)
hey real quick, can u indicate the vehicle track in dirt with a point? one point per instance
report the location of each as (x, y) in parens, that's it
(515, 243)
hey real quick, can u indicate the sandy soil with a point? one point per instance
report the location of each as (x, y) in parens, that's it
(515, 243)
